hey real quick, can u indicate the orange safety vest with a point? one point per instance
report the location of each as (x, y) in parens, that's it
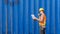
(43, 23)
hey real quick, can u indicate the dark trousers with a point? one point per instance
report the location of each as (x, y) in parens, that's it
(42, 31)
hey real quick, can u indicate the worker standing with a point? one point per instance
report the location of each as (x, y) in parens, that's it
(42, 20)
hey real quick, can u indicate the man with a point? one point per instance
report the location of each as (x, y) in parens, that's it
(42, 20)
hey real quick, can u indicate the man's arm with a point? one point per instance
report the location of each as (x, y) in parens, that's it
(40, 18)
(37, 19)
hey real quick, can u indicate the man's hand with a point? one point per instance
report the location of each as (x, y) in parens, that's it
(34, 18)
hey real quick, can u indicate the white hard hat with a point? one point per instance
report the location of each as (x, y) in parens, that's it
(41, 9)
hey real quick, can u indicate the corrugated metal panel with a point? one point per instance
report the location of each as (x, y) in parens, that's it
(15, 16)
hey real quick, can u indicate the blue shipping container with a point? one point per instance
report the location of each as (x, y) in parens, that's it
(15, 16)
